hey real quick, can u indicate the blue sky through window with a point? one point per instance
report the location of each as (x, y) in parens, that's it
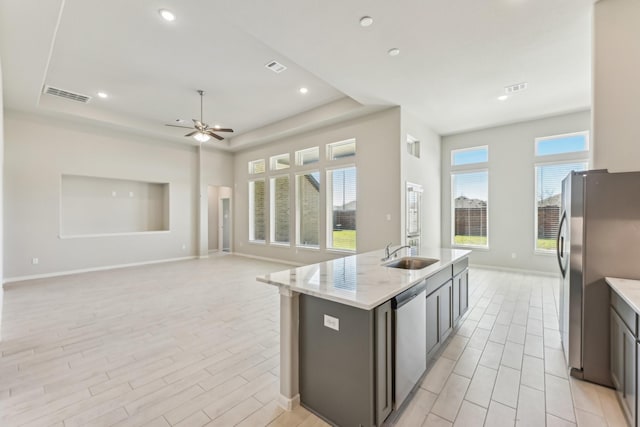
(562, 144)
(473, 185)
(466, 157)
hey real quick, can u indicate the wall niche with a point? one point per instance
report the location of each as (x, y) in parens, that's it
(95, 206)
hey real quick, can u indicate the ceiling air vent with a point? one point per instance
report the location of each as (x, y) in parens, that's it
(515, 88)
(50, 90)
(276, 67)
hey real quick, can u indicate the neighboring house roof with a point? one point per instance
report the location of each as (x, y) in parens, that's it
(464, 202)
(349, 206)
(554, 200)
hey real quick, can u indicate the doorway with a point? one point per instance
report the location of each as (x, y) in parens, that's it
(220, 218)
(225, 221)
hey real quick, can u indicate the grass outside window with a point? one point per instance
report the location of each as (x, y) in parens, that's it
(470, 240)
(344, 239)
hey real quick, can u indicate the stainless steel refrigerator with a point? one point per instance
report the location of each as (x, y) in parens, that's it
(598, 236)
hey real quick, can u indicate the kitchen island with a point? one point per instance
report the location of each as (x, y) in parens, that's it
(336, 319)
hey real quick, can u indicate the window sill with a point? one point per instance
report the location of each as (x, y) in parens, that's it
(280, 244)
(480, 248)
(309, 248)
(544, 253)
(340, 251)
(257, 242)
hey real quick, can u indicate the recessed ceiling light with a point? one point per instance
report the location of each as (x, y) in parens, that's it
(393, 51)
(181, 121)
(503, 98)
(303, 90)
(366, 21)
(103, 95)
(167, 15)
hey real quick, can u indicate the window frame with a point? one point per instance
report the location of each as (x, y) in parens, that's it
(297, 207)
(468, 165)
(273, 163)
(272, 212)
(348, 159)
(329, 207)
(570, 155)
(536, 165)
(298, 154)
(453, 206)
(250, 212)
(250, 166)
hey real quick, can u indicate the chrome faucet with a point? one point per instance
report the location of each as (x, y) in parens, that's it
(388, 254)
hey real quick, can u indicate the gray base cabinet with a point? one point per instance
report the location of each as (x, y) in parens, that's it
(346, 374)
(447, 301)
(624, 349)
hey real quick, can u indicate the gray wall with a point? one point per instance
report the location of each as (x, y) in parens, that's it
(616, 92)
(378, 183)
(424, 171)
(511, 188)
(39, 150)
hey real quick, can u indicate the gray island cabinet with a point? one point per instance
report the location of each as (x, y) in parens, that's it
(338, 340)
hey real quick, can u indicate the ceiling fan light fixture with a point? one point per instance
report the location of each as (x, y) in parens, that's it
(167, 15)
(201, 137)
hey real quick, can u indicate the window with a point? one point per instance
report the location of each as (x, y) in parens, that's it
(257, 210)
(341, 209)
(548, 201)
(561, 144)
(470, 200)
(280, 162)
(308, 209)
(308, 156)
(342, 149)
(468, 156)
(569, 152)
(413, 146)
(280, 209)
(256, 166)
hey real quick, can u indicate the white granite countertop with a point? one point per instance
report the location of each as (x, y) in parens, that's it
(628, 289)
(360, 280)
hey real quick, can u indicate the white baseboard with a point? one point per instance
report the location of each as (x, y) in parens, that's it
(515, 270)
(288, 404)
(13, 280)
(262, 258)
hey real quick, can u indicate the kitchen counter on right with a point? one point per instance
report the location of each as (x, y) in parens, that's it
(628, 290)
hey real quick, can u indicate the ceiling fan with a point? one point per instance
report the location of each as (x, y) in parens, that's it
(203, 132)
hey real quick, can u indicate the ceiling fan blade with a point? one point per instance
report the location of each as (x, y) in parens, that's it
(177, 126)
(218, 137)
(192, 133)
(222, 130)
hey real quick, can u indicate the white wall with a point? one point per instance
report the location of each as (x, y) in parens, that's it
(378, 183)
(616, 92)
(39, 150)
(424, 171)
(511, 188)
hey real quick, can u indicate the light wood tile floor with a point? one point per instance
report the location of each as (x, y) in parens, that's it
(196, 343)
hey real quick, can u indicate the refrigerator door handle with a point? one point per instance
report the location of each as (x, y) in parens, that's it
(560, 245)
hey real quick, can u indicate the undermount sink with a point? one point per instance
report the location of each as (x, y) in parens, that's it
(411, 263)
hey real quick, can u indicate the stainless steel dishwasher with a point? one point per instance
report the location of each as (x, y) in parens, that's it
(410, 310)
